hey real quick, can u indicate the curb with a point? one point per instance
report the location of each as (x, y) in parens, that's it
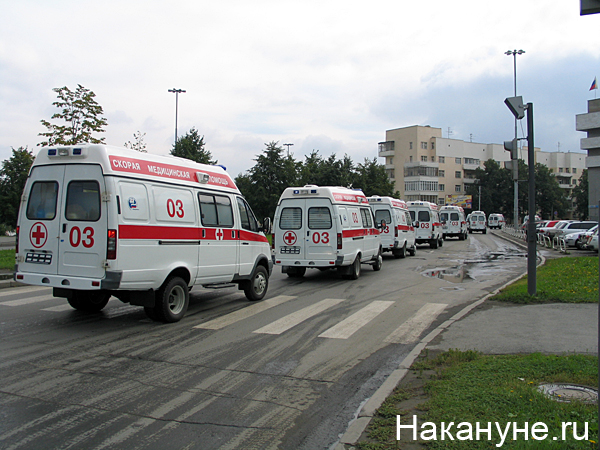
(367, 412)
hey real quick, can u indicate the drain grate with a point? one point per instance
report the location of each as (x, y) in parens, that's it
(569, 392)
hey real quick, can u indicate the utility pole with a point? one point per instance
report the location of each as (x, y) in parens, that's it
(288, 149)
(176, 92)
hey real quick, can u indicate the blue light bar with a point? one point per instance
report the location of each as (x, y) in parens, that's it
(52, 152)
(77, 151)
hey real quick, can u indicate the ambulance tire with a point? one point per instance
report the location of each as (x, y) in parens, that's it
(256, 288)
(434, 243)
(90, 301)
(172, 300)
(378, 262)
(354, 270)
(297, 273)
(440, 243)
(413, 251)
(400, 253)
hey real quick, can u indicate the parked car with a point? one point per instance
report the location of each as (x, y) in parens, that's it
(546, 226)
(579, 239)
(593, 241)
(559, 226)
(575, 227)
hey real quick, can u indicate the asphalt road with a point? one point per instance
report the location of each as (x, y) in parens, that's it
(289, 372)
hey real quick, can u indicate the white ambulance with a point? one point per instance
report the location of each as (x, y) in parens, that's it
(426, 220)
(97, 221)
(477, 222)
(454, 223)
(325, 227)
(398, 234)
(496, 221)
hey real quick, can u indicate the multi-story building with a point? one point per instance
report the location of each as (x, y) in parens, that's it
(426, 166)
(590, 123)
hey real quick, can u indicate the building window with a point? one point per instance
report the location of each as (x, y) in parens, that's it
(410, 145)
(442, 159)
(424, 145)
(433, 146)
(458, 188)
(423, 158)
(457, 174)
(410, 158)
(458, 160)
(560, 169)
(441, 201)
(574, 169)
(442, 187)
(568, 170)
(433, 159)
(441, 173)
(472, 161)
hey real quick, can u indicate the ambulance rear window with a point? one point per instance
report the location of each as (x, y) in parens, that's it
(319, 218)
(453, 216)
(42, 200)
(444, 217)
(366, 217)
(423, 216)
(83, 201)
(291, 219)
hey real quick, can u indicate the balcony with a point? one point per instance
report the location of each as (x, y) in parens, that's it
(386, 149)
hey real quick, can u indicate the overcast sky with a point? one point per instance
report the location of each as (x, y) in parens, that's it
(326, 75)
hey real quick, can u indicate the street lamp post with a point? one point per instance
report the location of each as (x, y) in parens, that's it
(176, 92)
(288, 148)
(515, 162)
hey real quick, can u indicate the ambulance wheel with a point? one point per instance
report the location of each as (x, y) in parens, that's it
(441, 243)
(297, 273)
(378, 262)
(354, 269)
(257, 287)
(89, 301)
(434, 243)
(401, 252)
(413, 251)
(172, 301)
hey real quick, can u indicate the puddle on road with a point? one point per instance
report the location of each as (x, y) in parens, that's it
(470, 269)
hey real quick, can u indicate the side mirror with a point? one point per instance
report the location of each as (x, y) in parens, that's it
(416, 224)
(266, 226)
(381, 225)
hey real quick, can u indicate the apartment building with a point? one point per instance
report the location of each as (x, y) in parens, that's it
(426, 166)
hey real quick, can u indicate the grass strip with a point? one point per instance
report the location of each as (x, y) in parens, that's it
(7, 259)
(475, 388)
(564, 280)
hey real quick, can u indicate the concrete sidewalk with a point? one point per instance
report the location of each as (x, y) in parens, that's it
(495, 328)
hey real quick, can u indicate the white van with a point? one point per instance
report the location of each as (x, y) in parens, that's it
(496, 221)
(97, 221)
(398, 234)
(325, 227)
(453, 222)
(426, 220)
(477, 222)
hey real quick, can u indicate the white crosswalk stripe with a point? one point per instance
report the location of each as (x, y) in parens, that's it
(410, 330)
(60, 308)
(28, 301)
(24, 290)
(350, 325)
(236, 316)
(291, 320)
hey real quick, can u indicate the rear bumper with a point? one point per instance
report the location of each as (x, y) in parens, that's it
(111, 281)
(309, 263)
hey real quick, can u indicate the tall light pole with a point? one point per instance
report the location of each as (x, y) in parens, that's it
(177, 92)
(515, 162)
(288, 148)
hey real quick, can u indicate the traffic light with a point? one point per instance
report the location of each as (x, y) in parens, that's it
(516, 106)
(513, 148)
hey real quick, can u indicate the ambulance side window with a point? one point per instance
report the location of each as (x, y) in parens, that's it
(248, 220)
(412, 216)
(408, 218)
(215, 211)
(291, 219)
(319, 218)
(366, 218)
(42, 200)
(83, 201)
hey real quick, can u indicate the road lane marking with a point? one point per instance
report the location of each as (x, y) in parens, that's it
(17, 291)
(410, 330)
(350, 325)
(28, 301)
(249, 311)
(291, 320)
(60, 308)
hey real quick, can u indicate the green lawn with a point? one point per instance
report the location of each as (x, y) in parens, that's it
(567, 280)
(7, 259)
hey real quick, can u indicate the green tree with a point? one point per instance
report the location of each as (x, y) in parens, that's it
(496, 189)
(581, 197)
(82, 115)
(191, 146)
(329, 172)
(13, 176)
(549, 197)
(370, 176)
(263, 184)
(138, 143)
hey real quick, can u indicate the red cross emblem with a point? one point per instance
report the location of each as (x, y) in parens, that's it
(38, 234)
(289, 238)
(219, 234)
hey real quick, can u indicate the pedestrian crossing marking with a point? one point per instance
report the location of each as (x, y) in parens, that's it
(23, 290)
(28, 301)
(291, 320)
(60, 308)
(236, 316)
(352, 324)
(410, 330)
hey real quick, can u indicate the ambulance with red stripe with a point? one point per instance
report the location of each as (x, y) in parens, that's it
(97, 221)
(426, 219)
(325, 227)
(398, 234)
(454, 223)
